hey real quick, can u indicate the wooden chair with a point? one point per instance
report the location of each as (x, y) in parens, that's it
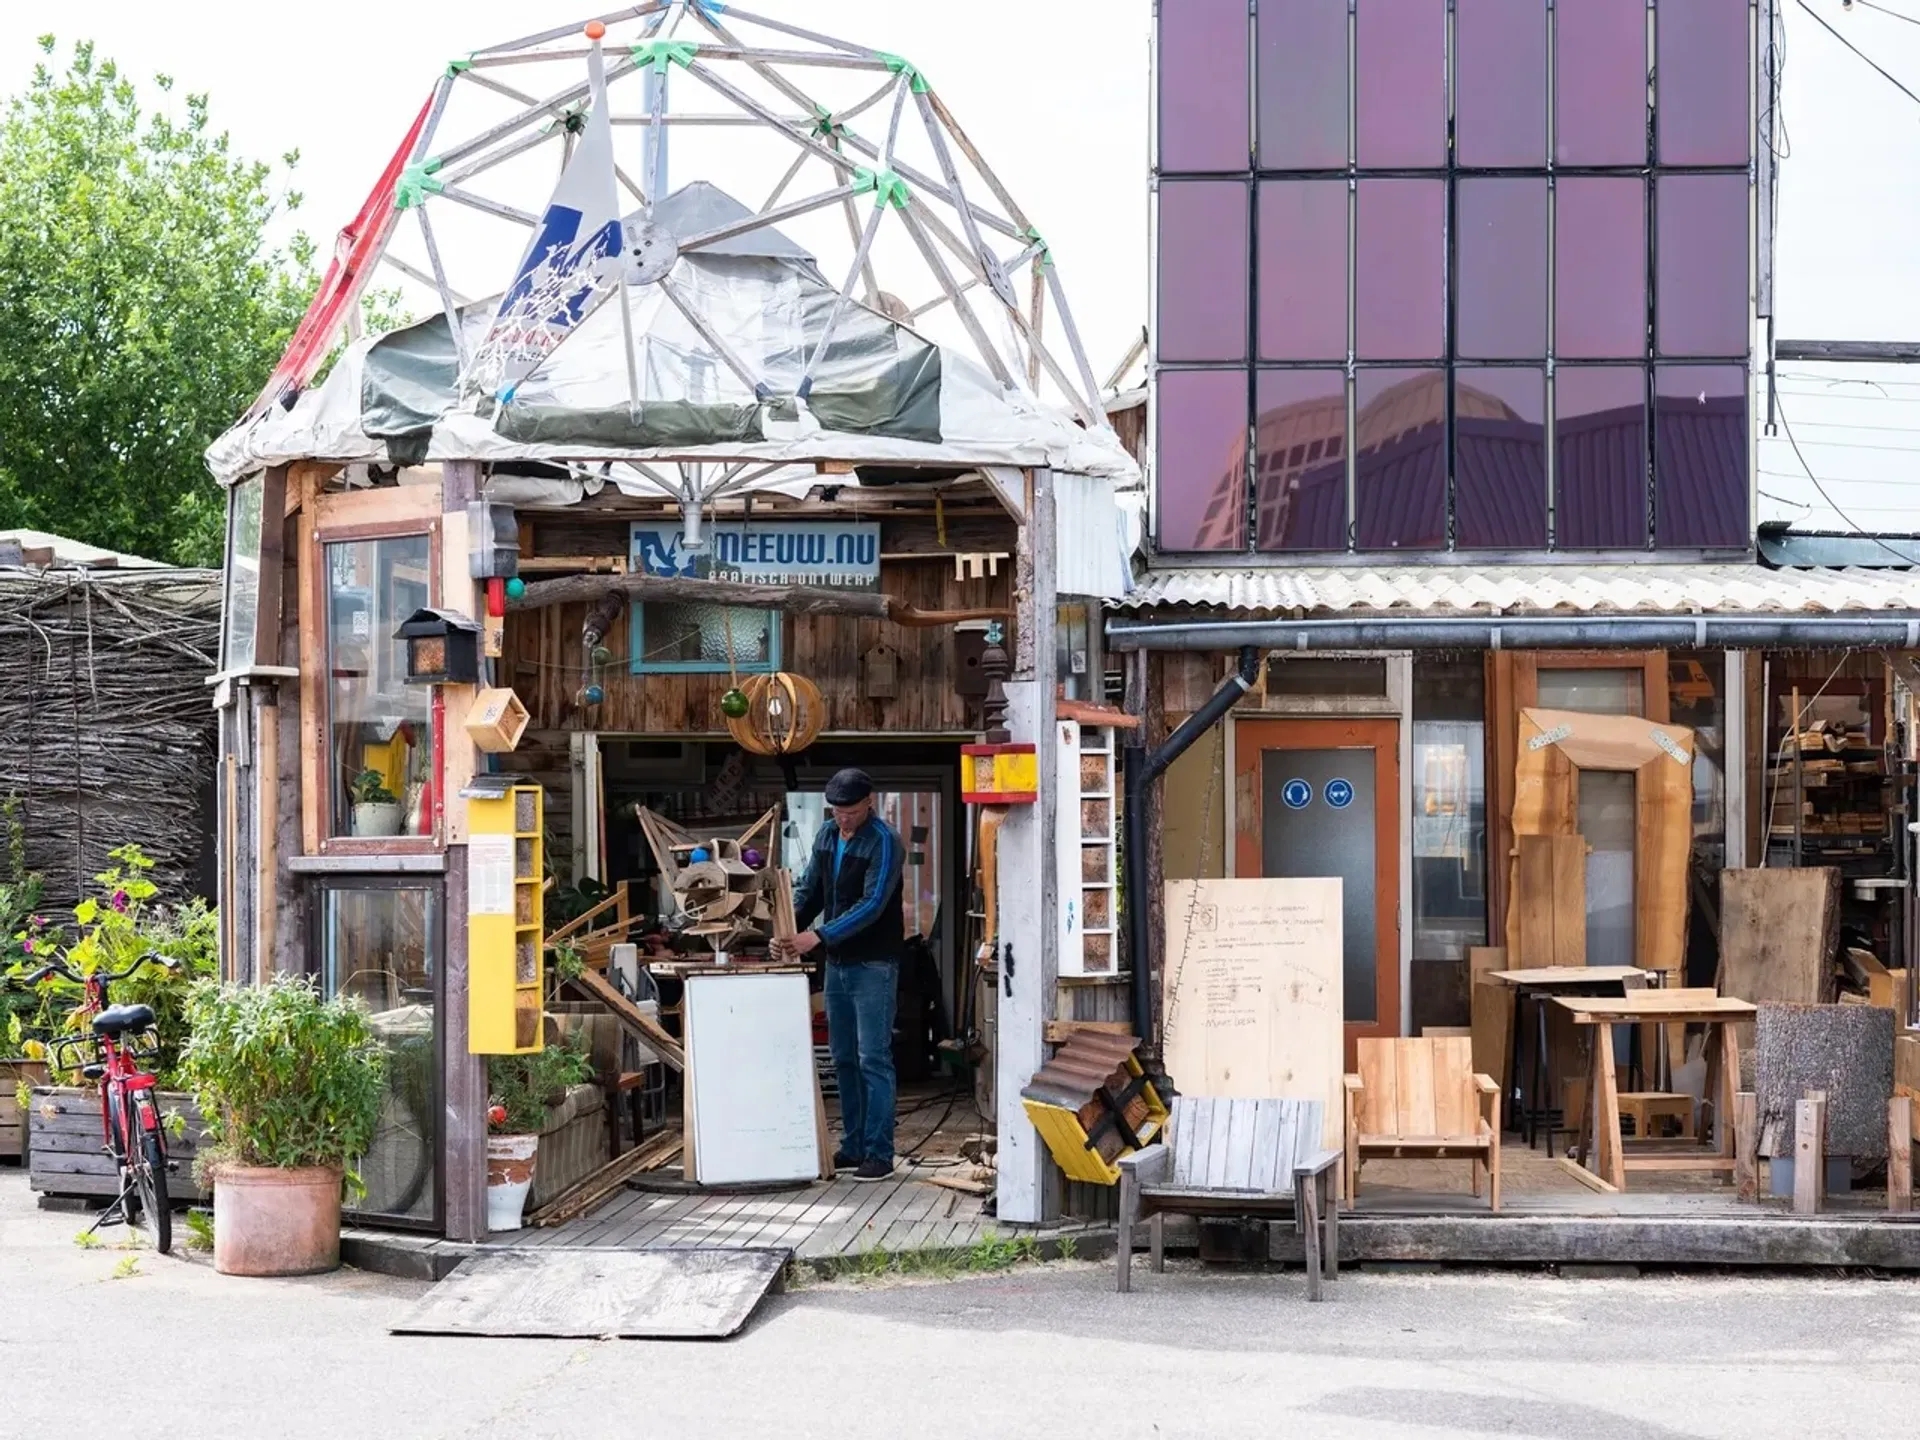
(1422, 1099)
(1236, 1157)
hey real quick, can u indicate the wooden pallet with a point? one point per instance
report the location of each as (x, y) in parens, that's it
(64, 1146)
(13, 1119)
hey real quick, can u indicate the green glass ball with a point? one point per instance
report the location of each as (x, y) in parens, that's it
(516, 587)
(601, 655)
(733, 704)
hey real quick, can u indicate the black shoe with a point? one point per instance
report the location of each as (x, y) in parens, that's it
(843, 1161)
(871, 1170)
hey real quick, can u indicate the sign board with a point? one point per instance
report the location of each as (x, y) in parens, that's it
(832, 554)
(1253, 1000)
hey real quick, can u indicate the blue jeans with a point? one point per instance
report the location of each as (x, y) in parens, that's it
(860, 1001)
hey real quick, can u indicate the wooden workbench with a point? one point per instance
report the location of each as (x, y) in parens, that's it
(1531, 1088)
(1602, 1150)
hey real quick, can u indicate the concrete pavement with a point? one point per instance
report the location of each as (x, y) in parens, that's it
(1034, 1354)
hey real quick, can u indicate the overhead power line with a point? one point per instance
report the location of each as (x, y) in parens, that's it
(1884, 74)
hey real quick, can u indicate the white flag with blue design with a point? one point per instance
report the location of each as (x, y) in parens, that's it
(572, 264)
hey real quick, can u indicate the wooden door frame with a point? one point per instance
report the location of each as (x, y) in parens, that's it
(1381, 734)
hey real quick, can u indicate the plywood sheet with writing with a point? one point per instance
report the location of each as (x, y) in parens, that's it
(1253, 1001)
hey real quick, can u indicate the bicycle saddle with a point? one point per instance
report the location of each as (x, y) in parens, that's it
(118, 1019)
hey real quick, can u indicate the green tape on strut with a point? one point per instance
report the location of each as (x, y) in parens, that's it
(887, 187)
(662, 53)
(415, 184)
(900, 65)
(458, 67)
(1035, 240)
(825, 127)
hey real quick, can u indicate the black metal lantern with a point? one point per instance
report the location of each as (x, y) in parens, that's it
(442, 648)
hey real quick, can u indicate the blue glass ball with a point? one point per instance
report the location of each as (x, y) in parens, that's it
(594, 694)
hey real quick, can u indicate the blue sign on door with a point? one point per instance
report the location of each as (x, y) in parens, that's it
(1297, 794)
(1339, 793)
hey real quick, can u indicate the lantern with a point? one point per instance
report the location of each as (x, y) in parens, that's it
(784, 714)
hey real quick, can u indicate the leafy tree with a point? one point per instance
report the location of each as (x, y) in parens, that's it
(141, 308)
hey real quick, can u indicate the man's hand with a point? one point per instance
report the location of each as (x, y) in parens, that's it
(805, 943)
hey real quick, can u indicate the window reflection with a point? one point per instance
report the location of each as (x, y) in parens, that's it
(380, 731)
(1449, 806)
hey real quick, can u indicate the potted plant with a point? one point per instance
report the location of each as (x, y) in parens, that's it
(290, 1087)
(520, 1088)
(376, 809)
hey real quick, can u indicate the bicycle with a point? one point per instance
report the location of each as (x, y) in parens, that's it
(129, 1117)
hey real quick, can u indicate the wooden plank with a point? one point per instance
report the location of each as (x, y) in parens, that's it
(1241, 1119)
(1185, 1121)
(1550, 898)
(1900, 1153)
(1061, 1031)
(1809, 1155)
(1779, 929)
(1456, 1106)
(1413, 1072)
(1492, 1030)
(1546, 976)
(1654, 1005)
(1746, 1141)
(1585, 1176)
(1218, 1158)
(1483, 960)
(1377, 1107)
(1267, 1157)
(597, 987)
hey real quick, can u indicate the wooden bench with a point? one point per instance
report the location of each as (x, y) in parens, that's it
(1236, 1157)
(1421, 1099)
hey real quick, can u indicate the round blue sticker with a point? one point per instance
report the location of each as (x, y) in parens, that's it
(1339, 794)
(1297, 794)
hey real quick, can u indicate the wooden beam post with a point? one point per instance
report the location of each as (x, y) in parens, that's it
(1809, 1153)
(1900, 1153)
(1746, 1146)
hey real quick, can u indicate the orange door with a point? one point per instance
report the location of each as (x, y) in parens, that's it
(1322, 797)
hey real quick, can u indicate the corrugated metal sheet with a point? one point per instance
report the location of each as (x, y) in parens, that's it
(1093, 538)
(1461, 590)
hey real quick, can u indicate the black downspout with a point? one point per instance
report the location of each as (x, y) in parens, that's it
(1143, 767)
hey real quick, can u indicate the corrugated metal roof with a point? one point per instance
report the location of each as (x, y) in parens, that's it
(1460, 590)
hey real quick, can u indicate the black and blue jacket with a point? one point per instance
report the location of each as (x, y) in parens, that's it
(857, 900)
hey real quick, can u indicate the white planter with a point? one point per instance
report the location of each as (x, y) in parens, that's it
(510, 1160)
(377, 819)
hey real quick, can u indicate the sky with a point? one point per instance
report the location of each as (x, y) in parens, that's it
(1054, 92)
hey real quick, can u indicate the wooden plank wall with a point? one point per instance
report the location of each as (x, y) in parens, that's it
(544, 663)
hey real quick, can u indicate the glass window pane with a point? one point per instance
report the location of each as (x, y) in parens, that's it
(1703, 77)
(1400, 479)
(1202, 300)
(1600, 82)
(1449, 806)
(1303, 270)
(1597, 692)
(1502, 298)
(243, 574)
(1700, 269)
(1203, 113)
(1400, 270)
(1695, 679)
(1700, 455)
(681, 636)
(1600, 458)
(1200, 469)
(1600, 268)
(1301, 487)
(1500, 82)
(1500, 459)
(380, 738)
(1303, 84)
(380, 946)
(1606, 812)
(1401, 64)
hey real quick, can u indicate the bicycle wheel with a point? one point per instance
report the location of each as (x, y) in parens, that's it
(148, 1161)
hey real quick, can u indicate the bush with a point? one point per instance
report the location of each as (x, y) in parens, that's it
(283, 1078)
(520, 1087)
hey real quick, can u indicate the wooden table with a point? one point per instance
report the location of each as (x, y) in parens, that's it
(1607, 1157)
(1540, 984)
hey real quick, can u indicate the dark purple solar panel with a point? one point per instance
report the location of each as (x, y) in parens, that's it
(1302, 84)
(1703, 80)
(1700, 492)
(1600, 275)
(1700, 265)
(1203, 114)
(1400, 460)
(1200, 468)
(1300, 437)
(1500, 82)
(1400, 270)
(1600, 457)
(1203, 270)
(1303, 270)
(1600, 80)
(1500, 459)
(1400, 62)
(1501, 238)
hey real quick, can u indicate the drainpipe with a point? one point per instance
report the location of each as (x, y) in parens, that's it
(1143, 767)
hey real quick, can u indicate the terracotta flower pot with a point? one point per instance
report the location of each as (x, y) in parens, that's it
(510, 1161)
(268, 1221)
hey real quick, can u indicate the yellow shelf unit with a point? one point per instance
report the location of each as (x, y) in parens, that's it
(506, 953)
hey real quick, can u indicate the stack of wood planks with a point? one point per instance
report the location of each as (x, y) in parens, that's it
(654, 1153)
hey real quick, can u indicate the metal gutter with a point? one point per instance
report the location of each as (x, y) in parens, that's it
(1900, 630)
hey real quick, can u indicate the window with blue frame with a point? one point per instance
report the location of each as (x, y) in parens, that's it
(670, 637)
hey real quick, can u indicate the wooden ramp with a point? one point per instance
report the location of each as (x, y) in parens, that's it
(599, 1294)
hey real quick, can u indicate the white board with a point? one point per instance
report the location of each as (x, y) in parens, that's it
(749, 1042)
(1253, 991)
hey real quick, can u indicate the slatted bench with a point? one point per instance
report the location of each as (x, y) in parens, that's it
(1241, 1158)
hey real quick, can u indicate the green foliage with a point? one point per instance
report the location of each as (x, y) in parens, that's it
(127, 1267)
(369, 787)
(283, 1077)
(141, 305)
(522, 1086)
(20, 894)
(88, 1240)
(199, 1229)
(567, 962)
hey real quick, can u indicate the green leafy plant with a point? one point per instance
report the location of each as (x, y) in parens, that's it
(521, 1087)
(200, 1230)
(20, 893)
(88, 1240)
(127, 1268)
(283, 1078)
(369, 787)
(567, 962)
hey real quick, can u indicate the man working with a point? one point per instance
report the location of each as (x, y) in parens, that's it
(852, 886)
